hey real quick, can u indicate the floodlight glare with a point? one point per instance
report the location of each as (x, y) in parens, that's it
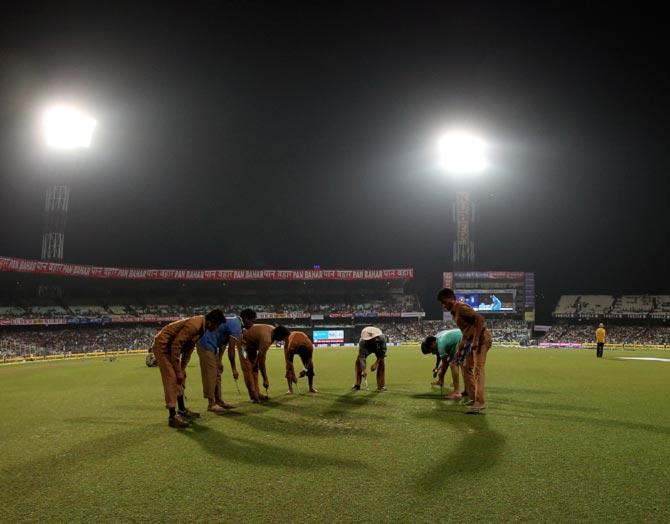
(462, 153)
(66, 128)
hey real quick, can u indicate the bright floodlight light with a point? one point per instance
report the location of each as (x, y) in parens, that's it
(462, 153)
(67, 128)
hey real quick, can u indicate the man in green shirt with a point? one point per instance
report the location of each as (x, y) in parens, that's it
(444, 344)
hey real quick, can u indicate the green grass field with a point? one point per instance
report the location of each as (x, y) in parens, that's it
(566, 438)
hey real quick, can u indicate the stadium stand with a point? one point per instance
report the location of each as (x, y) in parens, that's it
(614, 307)
(616, 334)
(594, 306)
(92, 338)
(567, 306)
(632, 306)
(661, 307)
(12, 312)
(503, 330)
(50, 311)
(49, 341)
(88, 311)
(116, 308)
(370, 307)
(629, 319)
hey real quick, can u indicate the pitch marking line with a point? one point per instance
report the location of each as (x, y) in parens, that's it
(654, 359)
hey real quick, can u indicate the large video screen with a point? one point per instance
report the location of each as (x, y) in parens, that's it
(330, 336)
(488, 301)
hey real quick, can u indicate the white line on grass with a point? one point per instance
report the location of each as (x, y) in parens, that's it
(655, 359)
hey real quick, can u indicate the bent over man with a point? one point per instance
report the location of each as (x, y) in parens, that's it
(372, 341)
(444, 344)
(256, 340)
(476, 338)
(296, 343)
(211, 347)
(172, 348)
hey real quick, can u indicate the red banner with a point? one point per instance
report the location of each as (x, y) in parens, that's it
(163, 319)
(21, 265)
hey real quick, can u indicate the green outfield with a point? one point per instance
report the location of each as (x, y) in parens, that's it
(567, 437)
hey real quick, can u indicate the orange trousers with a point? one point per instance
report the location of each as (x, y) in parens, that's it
(169, 377)
(209, 371)
(474, 372)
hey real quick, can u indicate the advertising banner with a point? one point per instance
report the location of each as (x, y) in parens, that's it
(489, 275)
(328, 336)
(20, 265)
(32, 321)
(282, 314)
(559, 345)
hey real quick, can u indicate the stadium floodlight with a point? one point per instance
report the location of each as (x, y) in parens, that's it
(67, 128)
(462, 153)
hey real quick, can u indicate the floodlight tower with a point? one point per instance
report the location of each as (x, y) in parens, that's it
(66, 130)
(463, 155)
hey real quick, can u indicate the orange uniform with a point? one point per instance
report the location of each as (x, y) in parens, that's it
(173, 347)
(255, 343)
(472, 324)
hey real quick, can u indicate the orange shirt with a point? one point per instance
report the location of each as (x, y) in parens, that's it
(180, 336)
(600, 335)
(258, 337)
(466, 320)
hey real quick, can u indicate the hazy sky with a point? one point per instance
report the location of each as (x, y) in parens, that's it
(238, 134)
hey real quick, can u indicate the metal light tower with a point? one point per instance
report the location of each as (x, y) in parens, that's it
(464, 248)
(55, 219)
(65, 129)
(463, 154)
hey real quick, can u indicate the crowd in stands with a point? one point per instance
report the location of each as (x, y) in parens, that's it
(11, 312)
(662, 308)
(44, 341)
(74, 340)
(616, 334)
(508, 330)
(362, 307)
(609, 306)
(502, 330)
(402, 303)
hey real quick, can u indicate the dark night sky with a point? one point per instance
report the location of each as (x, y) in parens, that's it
(237, 134)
